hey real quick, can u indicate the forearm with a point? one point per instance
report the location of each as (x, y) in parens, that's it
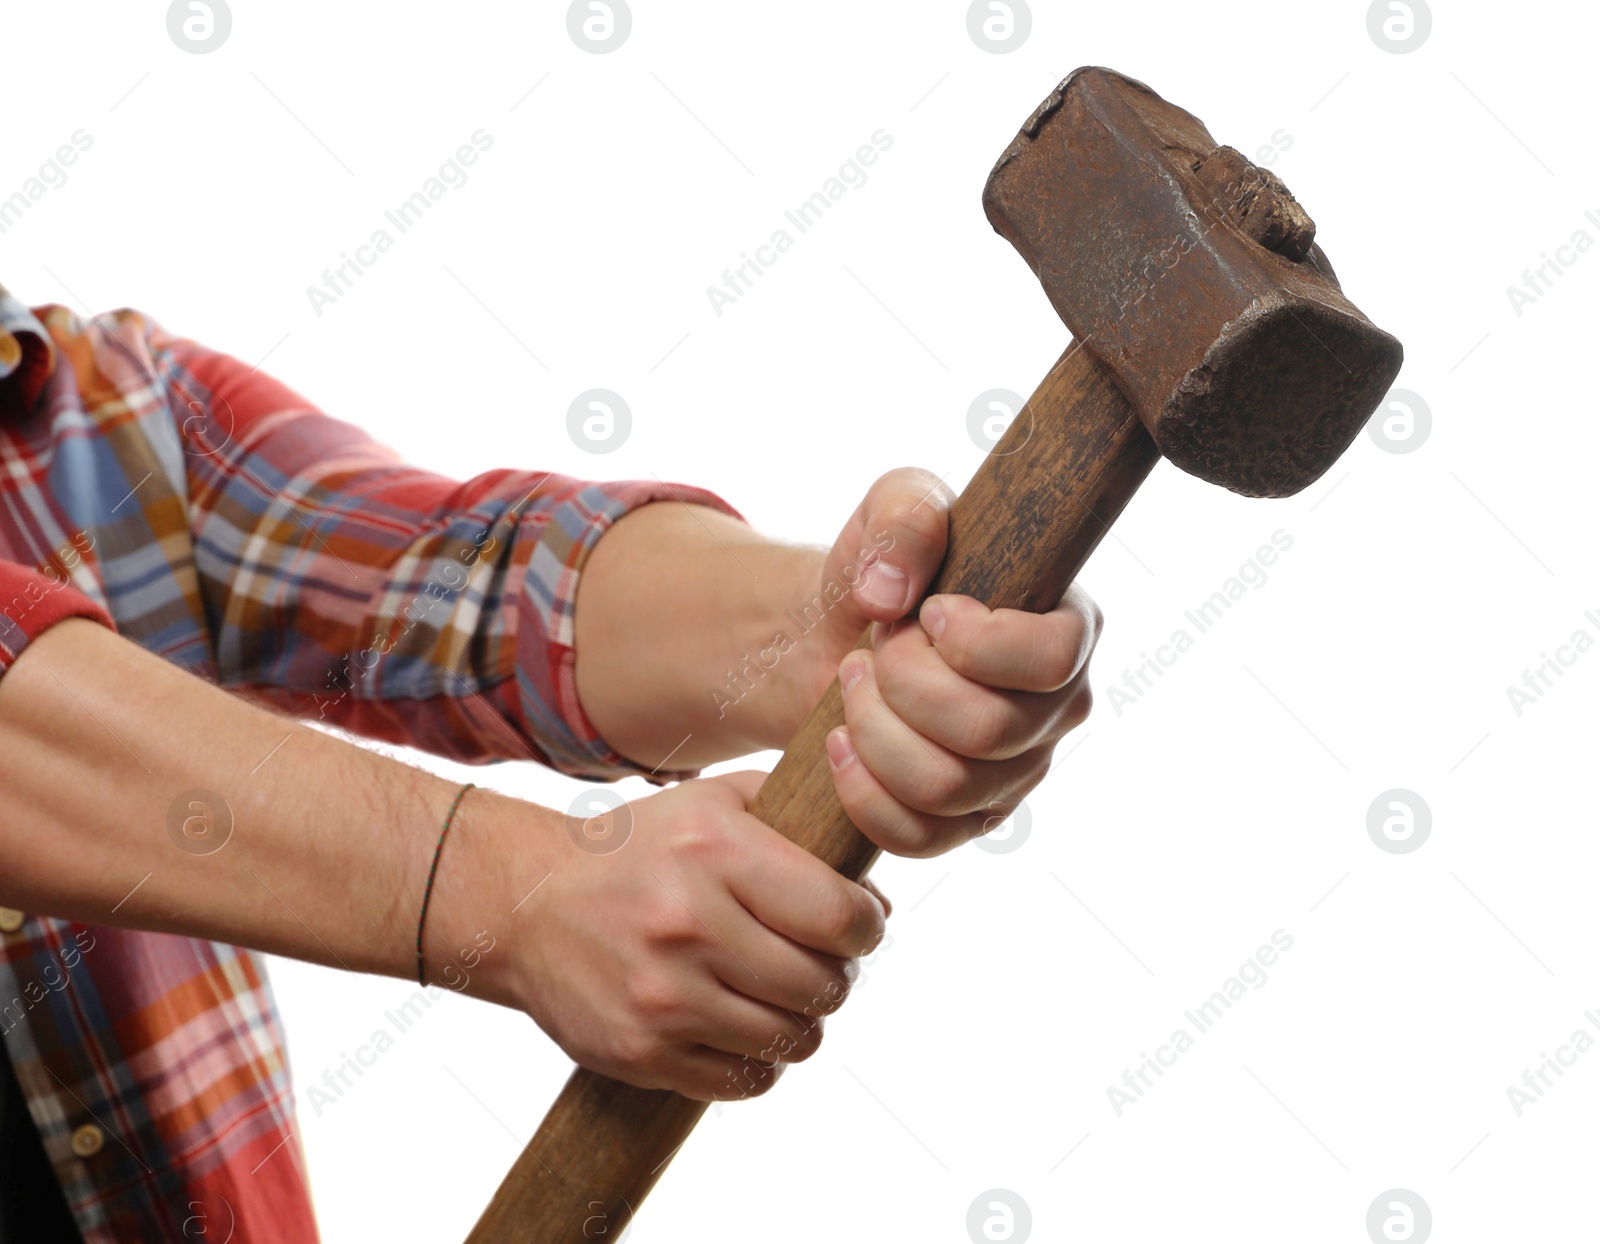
(123, 774)
(428, 611)
(678, 623)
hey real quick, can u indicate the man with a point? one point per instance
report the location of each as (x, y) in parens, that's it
(191, 557)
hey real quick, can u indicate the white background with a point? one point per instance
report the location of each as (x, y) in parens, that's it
(1228, 802)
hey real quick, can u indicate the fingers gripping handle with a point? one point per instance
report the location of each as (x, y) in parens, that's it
(1019, 533)
(1036, 509)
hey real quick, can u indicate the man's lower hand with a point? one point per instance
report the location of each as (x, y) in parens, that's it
(700, 956)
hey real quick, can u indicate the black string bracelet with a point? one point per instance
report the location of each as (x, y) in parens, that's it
(427, 893)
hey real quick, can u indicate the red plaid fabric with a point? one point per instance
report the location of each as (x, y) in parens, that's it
(216, 518)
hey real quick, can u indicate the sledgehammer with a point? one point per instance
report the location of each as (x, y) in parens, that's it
(1209, 329)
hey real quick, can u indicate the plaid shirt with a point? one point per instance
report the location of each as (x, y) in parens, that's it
(217, 519)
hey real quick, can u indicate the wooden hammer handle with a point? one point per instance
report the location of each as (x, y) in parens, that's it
(1019, 534)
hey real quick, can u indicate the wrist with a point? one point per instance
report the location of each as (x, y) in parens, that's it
(491, 871)
(691, 637)
(795, 656)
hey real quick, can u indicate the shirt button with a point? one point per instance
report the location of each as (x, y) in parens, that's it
(88, 1140)
(10, 921)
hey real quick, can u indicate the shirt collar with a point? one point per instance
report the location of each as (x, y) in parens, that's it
(27, 355)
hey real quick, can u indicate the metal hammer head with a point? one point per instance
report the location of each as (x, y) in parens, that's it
(1193, 275)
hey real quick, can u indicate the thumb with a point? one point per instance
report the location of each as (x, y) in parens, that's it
(890, 549)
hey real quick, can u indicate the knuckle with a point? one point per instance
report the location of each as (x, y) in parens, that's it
(923, 523)
(828, 996)
(741, 1077)
(652, 998)
(729, 1083)
(986, 730)
(956, 644)
(696, 1089)
(945, 786)
(916, 518)
(1078, 601)
(700, 840)
(910, 838)
(907, 484)
(1058, 661)
(837, 916)
(805, 1043)
(869, 923)
(891, 664)
(1080, 706)
(671, 925)
(759, 1082)
(932, 843)
(642, 1053)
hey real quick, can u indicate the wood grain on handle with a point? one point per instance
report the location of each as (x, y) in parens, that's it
(1019, 534)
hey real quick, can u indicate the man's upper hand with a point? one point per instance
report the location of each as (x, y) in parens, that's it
(952, 715)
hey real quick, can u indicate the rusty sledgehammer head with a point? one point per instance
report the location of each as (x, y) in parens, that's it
(1194, 276)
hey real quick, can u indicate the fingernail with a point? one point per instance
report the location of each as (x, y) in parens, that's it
(840, 754)
(852, 670)
(885, 587)
(852, 970)
(933, 619)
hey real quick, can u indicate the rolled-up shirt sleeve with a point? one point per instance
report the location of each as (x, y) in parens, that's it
(387, 599)
(32, 601)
